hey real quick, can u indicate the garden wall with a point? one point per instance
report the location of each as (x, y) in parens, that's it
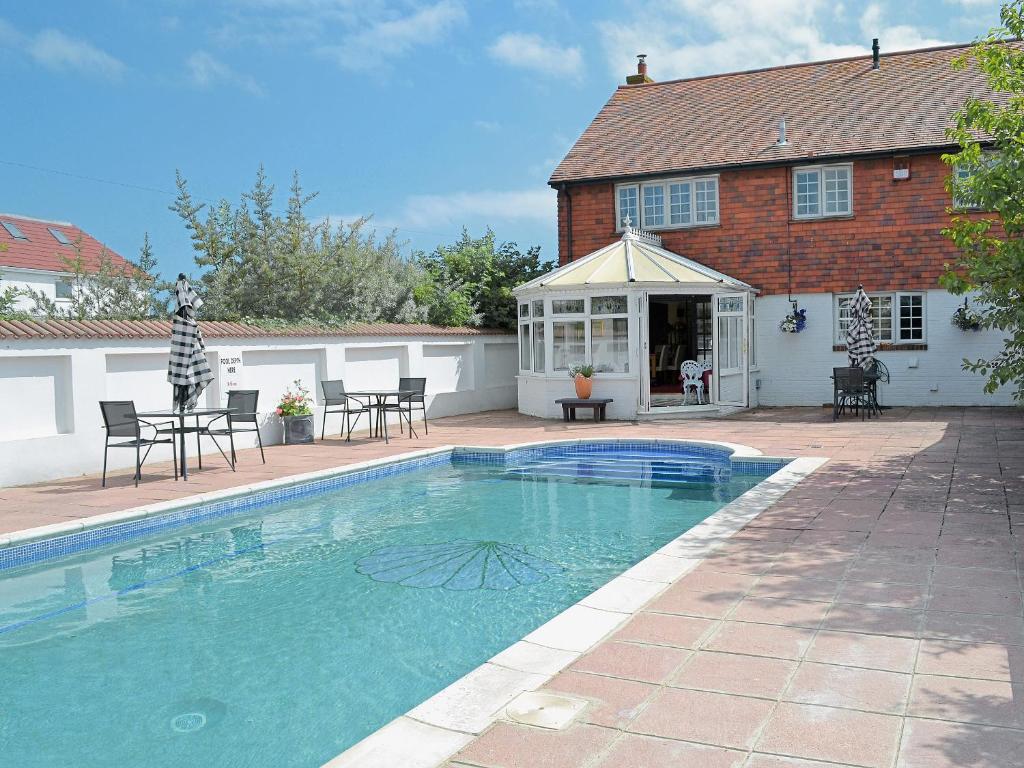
(51, 385)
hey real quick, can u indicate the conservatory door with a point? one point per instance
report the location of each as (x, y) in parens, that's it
(731, 374)
(643, 343)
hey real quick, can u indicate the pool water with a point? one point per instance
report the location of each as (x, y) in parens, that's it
(284, 635)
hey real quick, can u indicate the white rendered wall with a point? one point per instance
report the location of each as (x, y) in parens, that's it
(40, 281)
(794, 368)
(52, 388)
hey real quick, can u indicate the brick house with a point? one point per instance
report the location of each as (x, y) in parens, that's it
(33, 253)
(800, 182)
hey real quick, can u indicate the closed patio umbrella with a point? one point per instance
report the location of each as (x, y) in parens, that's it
(188, 371)
(860, 337)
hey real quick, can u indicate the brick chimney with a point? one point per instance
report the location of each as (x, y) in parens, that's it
(641, 72)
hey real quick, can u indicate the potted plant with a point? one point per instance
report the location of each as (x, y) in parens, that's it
(966, 319)
(582, 375)
(794, 322)
(296, 410)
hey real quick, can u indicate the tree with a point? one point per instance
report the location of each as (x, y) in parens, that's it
(991, 260)
(262, 267)
(108, 292)
(471, 280)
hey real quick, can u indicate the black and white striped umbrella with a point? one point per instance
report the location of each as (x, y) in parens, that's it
(860, 337)
(188, 371)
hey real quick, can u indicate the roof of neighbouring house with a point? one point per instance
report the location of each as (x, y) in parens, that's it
(635, 258)
(41, 247)
(25, 330)
(832, 108)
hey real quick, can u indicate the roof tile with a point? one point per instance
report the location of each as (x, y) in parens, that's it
(42, 251)
(161, 329)
(832, 108)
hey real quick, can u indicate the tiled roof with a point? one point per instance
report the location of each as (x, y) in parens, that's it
(41, 250)
(832, 108)
(161, 329)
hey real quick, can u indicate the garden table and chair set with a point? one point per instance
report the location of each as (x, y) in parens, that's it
(127, 428)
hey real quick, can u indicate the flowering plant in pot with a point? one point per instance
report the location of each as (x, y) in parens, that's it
(966, 319)
(582, 375)
(794, 322)
(296, 409)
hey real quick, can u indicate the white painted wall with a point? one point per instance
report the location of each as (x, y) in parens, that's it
(42, 281)
(51, 388)
(794, 368)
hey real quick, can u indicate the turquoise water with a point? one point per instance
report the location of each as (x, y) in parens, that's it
(282, 636)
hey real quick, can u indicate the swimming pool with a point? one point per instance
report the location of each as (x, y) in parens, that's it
(283, 633)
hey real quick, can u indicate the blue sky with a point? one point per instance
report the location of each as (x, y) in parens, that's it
(428, 114)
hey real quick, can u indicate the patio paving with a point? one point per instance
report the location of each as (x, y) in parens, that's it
(872, 617)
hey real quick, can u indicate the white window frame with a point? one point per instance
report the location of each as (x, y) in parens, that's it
(610, 316)
(820, 170)
(525, 323)
(56, 290)
(666, 197)
(894, 308)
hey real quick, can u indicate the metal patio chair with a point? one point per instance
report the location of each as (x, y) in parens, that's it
(242, 403)
(337, 401)
(409, 402)
(850, 388)
(121, 420)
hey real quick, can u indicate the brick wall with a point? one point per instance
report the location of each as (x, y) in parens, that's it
(892, 241)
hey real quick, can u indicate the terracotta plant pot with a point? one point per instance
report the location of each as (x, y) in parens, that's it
(584, 387)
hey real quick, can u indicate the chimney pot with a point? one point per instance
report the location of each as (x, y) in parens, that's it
(641, 72)
(875, 61)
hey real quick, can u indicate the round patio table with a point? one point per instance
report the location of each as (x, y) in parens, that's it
(378, 399)
(182, 430)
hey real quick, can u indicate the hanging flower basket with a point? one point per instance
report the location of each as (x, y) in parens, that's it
(794, 322)
(966, 319)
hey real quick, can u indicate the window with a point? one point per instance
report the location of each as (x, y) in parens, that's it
(821, 191)
(524, 310)
(609, 344)
(668, 204)
(59, 236)
(895, 317)
(524, 347)
(911, 317)
(654, 205)
(608, 305)
(538, 308)
(626, 203)
(568, 344)
(63, 289)
(538, 347)
(13, 231)
(567, 306)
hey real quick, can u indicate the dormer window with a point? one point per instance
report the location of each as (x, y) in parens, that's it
(667, 203)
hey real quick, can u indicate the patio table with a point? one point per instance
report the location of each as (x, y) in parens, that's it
(181, 429)
(871, 382)
(378, 399)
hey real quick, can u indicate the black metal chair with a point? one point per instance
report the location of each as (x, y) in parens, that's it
(121, 420)
(242, 403)
(408, 403)
(849, 388)
(337, 401)
(876, 373)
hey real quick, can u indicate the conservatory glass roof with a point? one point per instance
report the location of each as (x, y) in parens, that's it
(636, 258)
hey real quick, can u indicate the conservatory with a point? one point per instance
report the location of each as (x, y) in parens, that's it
(664, 334)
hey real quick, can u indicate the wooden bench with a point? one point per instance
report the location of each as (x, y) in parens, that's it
(570, 404)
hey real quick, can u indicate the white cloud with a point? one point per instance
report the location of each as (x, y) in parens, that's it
(684, 38)
(901, 37)
(395, 36)
(528, 51)
(489, 206)
(487, 126)
(60, 52)
(206, 71)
